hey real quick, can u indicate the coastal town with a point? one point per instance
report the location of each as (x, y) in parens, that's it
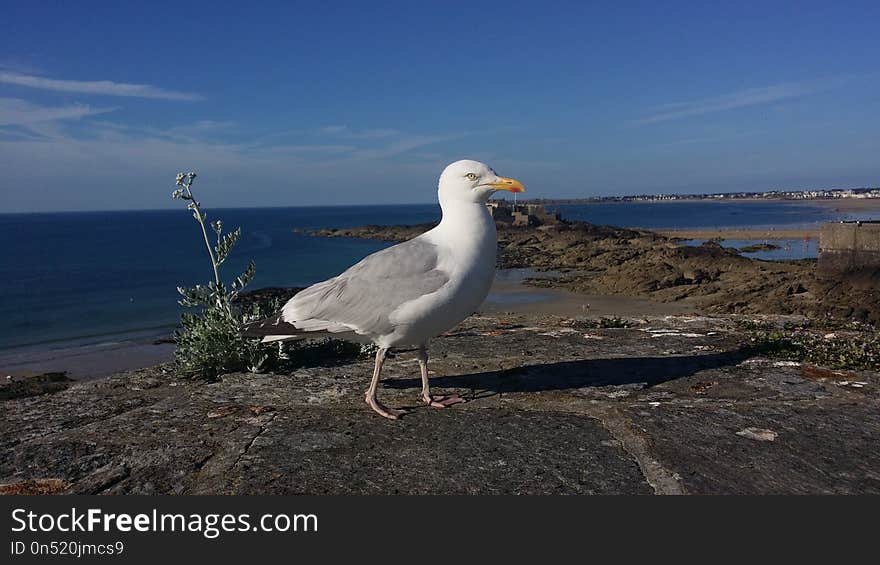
(802, 194)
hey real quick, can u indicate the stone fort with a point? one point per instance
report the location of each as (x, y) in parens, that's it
(521, 214)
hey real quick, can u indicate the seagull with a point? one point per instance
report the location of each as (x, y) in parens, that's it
(407, 294)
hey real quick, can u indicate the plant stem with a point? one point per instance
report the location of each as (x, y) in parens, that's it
(201, 221)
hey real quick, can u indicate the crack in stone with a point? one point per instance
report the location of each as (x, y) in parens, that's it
(634, 443)
(68, 426)
(637, 446)
(250, 444)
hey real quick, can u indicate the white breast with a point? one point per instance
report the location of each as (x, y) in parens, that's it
(467, 245)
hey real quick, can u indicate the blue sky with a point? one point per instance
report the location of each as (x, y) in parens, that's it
(288, 103)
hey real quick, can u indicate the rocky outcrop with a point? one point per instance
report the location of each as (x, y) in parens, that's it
(618, 261)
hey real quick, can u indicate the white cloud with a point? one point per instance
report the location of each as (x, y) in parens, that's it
(403, 143)
(342, 142)
(739, 99)
(312, 150)
(18, 112)
(333, 129)
(80, 168)
(105, 87)
(348, 133)
(138, 172)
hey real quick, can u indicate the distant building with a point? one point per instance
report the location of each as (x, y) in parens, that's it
(522, 214)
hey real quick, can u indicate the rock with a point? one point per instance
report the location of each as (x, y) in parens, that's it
(606, 260)
(548, 412)
(759, 247)
(758, 434)
(100, 480)
(34, 486)
(21, 387)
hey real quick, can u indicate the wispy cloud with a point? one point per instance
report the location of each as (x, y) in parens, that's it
(76, 155)
(333, 129)
(18, 112)
(20, 119)
(91, 151)
(79, 168)
(310, 150)
(378, 143)
(343, 142)
(403, 143)
(348, 133)
(104, 87)
(739, 99)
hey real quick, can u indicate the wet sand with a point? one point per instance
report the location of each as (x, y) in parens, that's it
(733, 233)
(84, 362)
(518, 298)
(850, 204)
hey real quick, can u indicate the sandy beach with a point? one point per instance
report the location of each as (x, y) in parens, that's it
(511, 294)
(85, 361)
(850, 204)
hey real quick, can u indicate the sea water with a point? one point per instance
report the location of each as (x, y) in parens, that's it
(102, 275)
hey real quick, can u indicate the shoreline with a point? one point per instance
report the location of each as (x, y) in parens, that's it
(84, 361)
(509, 294)
(842, 204)
(603, 260)
(515, 296)
(608, 272)
(740, 233)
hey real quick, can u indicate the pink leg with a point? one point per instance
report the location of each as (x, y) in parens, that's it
(438, 401)
(371, 396)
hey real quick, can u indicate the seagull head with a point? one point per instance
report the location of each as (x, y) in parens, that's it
(472, 181)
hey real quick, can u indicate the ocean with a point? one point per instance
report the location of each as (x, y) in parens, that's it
(89, 276)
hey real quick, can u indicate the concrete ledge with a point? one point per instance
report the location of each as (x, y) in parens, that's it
(848, 247)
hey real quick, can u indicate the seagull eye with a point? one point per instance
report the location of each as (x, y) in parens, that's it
(470, 176)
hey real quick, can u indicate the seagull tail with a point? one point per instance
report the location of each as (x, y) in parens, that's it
(272, 329)
(275, 328)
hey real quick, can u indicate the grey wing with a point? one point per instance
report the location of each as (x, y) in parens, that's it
(362, 298)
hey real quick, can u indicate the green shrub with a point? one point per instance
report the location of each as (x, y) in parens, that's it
(209, 341)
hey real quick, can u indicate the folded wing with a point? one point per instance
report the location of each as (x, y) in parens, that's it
(362, 299)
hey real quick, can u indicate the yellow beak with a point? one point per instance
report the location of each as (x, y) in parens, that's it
(510, 185)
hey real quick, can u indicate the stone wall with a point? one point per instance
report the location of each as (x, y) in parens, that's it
(849, 247)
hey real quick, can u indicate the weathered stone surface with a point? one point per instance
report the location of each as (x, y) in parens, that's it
(828, 448)
(488, 451)
(552, 408)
